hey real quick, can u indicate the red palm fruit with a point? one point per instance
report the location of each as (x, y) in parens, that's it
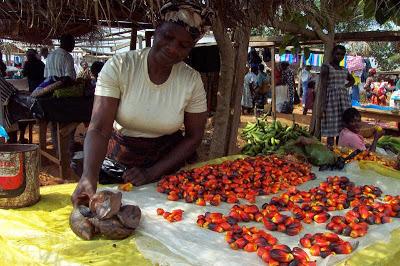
(166, 214)
(216, 200)
(293, 231)
(386, 219)
(321, 242)
(338, 219)
(251, 209)
(317, 209)
(232, 199)
(273, 262)
(281, 228)
(282, 247)
(300, 254)
(331, 237)
(362, 209)
(229, 237)
(248, 238)
(258, 217)
(315, 250)
(262, 250)
(271, 240)
(250, 247)
(160, 211)
(281, 255)
(244, 217)
(278, 218)
(346, 231)
(326, 253)
(241, 243)
(200, 222)
(308, 220)
(269, 225)
(173, 197)
(233, 246)
(352, 217)
(200, 202)
(305, 242)
(342, 248)
(226, 226)
(261, 242)
(321, 217)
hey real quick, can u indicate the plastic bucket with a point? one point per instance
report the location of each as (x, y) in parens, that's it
(19, 175)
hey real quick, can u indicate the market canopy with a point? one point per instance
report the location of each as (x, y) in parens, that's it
(39, 21)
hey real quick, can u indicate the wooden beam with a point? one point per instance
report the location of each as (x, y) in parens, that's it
(273, 81)
(133, 41)
(148, 34)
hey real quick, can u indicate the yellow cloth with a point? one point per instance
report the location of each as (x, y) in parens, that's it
(40, 235)
(146, 109)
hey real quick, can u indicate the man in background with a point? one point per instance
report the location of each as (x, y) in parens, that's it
(60, 62)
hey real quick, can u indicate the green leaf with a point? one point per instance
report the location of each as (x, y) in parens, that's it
(369, 8)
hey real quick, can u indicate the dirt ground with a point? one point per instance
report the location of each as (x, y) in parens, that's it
(49, 171)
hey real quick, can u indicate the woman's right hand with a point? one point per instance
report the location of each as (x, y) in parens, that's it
(83, 192)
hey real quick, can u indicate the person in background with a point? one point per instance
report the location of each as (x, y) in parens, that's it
(95, 69)
(33, 69)
(305, 78)
(309, 100)
(253, 58)
(368, 87)
(249, 89)
(60, 62)
(287, 79)
(3, 67)
(263, 83)
(397, 84)
(44, 52)
(85, 72)
(334, 81)
(350, 135)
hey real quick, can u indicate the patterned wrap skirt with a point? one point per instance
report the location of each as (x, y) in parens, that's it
(337, 101)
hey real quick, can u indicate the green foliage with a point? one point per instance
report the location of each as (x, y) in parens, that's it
(382, 10)
(386, 55)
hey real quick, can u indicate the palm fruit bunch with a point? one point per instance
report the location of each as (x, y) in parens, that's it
(325, 244)
(249, 239)
(366, 156)
(216, 222)
(263, 137)
(273, 220)
(348, 225)
(277, 255)
(233, 180)
(173, 216)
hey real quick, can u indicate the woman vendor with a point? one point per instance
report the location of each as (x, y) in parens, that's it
(142, 98)
(334, 81)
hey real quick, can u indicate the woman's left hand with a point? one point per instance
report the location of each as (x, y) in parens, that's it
(137, 176)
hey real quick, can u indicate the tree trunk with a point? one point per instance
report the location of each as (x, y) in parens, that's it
(233, 66)
(241, 41)
(219, 144)
(315, 127)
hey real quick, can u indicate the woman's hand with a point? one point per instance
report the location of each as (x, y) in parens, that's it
(137, 176)
(83, 192)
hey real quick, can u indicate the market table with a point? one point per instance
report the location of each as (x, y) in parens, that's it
(40, 235)
(379, 115)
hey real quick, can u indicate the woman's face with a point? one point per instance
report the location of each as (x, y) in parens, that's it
(172, 44)
(355, 125)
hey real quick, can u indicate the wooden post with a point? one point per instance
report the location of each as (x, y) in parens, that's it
(148, 34)
(132, 45)
(273, 82)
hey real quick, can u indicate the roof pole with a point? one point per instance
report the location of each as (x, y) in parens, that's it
(273, 82)
(132, 45)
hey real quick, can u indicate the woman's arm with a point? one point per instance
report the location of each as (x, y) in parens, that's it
(95, 147)
(350, 80)
(194, 131)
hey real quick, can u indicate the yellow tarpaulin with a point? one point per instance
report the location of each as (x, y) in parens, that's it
(40, 235)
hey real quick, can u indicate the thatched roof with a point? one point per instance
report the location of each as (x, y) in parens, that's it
(39, 21)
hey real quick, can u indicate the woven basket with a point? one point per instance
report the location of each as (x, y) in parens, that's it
(19, 175)
(367, 130)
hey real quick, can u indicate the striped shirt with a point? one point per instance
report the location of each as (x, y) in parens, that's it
(60, 63)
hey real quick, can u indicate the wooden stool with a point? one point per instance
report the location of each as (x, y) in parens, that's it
(62, 155)
(31, 123)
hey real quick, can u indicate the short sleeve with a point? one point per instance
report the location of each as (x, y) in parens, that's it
(69, 68)
(198, 101)
(108, 82)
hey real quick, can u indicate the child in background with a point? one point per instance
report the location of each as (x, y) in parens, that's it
(350, 135)
(309, 99)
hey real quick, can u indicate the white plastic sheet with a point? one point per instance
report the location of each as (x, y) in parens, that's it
(184, 243)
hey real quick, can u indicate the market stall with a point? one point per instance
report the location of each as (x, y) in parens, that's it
(41, 235)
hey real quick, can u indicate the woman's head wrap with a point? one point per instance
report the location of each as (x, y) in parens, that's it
(195, 18)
